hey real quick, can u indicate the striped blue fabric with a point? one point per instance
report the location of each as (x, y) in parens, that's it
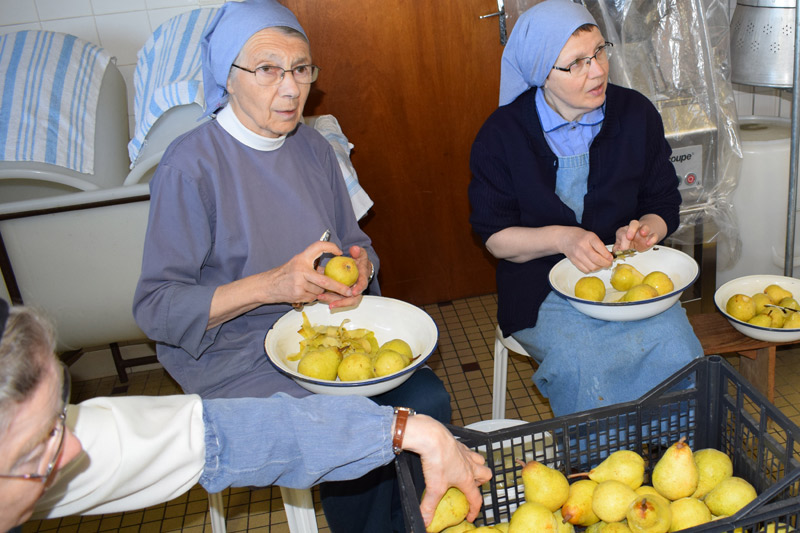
(168, 72)
(48, 98)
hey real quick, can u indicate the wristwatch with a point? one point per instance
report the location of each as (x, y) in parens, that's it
(401, 417)
(371, 272)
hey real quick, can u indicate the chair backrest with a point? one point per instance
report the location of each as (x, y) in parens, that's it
(78, 258)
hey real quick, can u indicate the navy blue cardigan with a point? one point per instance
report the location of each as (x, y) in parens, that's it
(514, 178)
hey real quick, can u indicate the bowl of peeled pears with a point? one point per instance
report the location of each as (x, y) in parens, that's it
(764, 307)
(366, 350)
(635, 287)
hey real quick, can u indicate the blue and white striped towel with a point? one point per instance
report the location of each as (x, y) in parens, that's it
(168, 72)
(48, 98)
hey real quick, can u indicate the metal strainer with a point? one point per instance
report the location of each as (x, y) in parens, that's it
(762, 42)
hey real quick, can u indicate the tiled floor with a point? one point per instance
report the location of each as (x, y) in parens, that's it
(463, 360)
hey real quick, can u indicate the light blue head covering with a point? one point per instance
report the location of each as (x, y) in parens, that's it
(535, 43)
(233, 25)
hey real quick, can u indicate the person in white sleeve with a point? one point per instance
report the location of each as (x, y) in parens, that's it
(115, 454)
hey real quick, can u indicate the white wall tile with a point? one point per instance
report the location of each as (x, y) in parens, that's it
(83, 27)
(20, 27)
(61, 9)
(17, 12)
(124, 34)
(160, 4)
(105, 7)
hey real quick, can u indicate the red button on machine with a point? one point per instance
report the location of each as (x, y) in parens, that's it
(690, 178)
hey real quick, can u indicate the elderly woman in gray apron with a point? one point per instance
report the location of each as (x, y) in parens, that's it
(567, 164)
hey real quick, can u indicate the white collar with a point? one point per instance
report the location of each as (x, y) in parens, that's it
(231, 123)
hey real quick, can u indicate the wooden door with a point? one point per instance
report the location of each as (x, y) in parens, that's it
(411, 82)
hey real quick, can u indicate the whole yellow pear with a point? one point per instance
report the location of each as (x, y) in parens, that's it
(623, 465)
(688, 512)
(532, 517)
(400, 346)
(777, 293)
(792, 321)
(675, 474)
(624, 276)
(639, 292)
(590, 288)
(741, 307)
(342, 269)
(649, 490)
(578, 507)
(487, 529)
(780, 527)
(563, 525)
(502, 527)
(460, 528)
(760, 299)
(659, 281)
(729, 496)
(452, 509)
(712, 467)
(777, 316)
(544, 485)
(763, 320)
(789, 302)
(611, 500)
(616, 527)
(649, 515)
(355, 367)
(320, 363)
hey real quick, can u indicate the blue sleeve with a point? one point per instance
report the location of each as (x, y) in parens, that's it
(291, 442)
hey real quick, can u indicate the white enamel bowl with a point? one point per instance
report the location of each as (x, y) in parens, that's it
(680, 268)
(749, 285)
(386, 317)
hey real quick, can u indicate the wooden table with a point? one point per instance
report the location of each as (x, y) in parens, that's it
(757, 358)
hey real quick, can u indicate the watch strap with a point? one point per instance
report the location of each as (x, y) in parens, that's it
(401, 418)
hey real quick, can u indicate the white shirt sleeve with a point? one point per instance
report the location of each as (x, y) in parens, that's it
(138, 451)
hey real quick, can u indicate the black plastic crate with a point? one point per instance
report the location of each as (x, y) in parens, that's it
(719, 409)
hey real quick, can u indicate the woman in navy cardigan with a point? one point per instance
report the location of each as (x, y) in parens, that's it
(567, 164)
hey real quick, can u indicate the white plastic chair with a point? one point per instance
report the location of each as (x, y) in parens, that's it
(298, 504)
(502, 345)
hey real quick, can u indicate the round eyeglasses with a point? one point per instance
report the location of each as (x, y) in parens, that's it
(40, 461)
(580, 66)
(271, 75)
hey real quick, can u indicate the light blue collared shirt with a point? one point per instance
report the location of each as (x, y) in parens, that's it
(567, 138)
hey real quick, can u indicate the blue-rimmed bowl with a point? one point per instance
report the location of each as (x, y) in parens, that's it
(681, 268)
(386, 317)
(749, 285)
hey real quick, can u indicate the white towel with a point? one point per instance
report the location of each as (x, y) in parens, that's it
(48, 98)
(329, 127)
(168, 72)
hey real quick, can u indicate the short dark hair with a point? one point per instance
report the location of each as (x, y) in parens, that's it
(26, 353)
(584, 28)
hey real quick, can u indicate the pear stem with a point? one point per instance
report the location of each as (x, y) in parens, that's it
(578, 474)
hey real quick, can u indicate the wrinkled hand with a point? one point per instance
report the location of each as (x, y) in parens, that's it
(298, 282)
(585, 249)
(637, 235)
(445, 463)
(338, 299)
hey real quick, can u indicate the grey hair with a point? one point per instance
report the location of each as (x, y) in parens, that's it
(26, 353)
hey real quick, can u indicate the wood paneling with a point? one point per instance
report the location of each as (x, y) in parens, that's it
(411, 82)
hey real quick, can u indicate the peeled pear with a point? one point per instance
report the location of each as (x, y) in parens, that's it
(611, 500)
(777, 316)
(688, 512)
(342, 269)
(355, 367)
(649, 515)
(532, 517)
(452, 509)
(712, 467)
(777, 293)
(320, 363)
(792, 321)
(400, 346)
(741, 307)
(675, 474)
(623, 465)
(624, 276)
(763, 320)
(544, 485)
(590, 288)
(639, 292)
(729, 496)
(790, 302)
(578, 507)
(659, 281)
(388, 362)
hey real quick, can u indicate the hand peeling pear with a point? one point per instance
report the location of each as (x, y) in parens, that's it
(342, 269)
(624, 276)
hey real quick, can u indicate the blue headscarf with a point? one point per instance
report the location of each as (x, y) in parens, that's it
(233, 25)
(535, 43)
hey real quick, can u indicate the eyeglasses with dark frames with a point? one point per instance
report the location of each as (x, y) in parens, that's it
(580, 66)
(39, 463)
(267, 75)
